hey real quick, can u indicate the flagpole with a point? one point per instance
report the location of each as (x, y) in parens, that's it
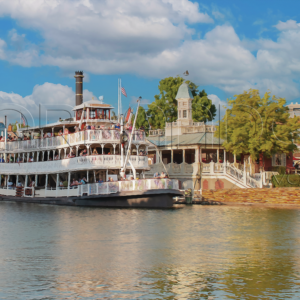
(120, 96)
(119, 99)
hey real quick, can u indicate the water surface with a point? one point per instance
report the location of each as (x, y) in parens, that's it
(199, 252)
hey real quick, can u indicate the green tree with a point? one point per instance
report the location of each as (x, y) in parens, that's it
(141, 120)
(114, 116)
(254, 125)
(164, 108)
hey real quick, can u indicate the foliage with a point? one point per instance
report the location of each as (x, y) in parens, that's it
(254, 125)
(114, 116)
(188, 193)
(280, 169)
(141, 120)
(286, 180)
(164, 108)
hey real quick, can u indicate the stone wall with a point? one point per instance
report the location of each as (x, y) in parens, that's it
(216, 184)
(268, 196)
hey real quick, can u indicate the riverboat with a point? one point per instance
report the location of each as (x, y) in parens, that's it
(44, 163)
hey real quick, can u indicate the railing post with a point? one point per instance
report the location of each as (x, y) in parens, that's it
(245, 175)
(211, 167)
(107, 190)
(69, 181)
(261, 179)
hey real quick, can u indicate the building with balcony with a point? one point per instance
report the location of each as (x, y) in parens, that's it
(190, 152)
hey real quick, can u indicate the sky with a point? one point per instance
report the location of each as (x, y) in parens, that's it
(227, 47)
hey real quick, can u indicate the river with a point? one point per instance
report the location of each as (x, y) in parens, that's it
(198, 252)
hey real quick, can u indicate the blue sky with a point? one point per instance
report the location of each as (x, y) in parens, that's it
(227, 46)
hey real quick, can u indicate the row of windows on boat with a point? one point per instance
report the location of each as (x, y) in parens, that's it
(68, 153)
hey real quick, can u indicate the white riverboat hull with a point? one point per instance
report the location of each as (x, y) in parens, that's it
(159, 198)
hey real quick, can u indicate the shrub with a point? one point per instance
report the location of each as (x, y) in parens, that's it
(286, 180)
(280, 169)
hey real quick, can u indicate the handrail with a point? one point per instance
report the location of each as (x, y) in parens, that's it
(72, 139)
(104, 188)
(72, 164)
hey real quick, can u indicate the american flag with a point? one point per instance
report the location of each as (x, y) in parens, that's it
(23, 120)
(123, 92)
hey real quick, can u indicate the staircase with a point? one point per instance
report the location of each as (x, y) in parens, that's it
(240, 178)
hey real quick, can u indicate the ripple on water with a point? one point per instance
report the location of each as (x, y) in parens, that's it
(192, 253)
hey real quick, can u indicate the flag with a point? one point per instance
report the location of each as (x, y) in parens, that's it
(123, 92)
(23, 120)
(128, 115)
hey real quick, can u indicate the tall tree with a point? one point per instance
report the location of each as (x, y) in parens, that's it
(254, 125)
(141, 120)
(164, 108)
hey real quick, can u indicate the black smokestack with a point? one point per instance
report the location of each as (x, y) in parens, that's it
(79, 88)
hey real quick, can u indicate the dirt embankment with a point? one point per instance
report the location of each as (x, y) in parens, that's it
(275, 196)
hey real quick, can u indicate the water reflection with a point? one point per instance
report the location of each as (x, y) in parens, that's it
(193, 253)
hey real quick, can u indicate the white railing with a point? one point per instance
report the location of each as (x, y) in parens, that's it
(126, 186)
(90, 162)
(157, 132)
(8, 191)
(104, 188)
(234, 172)
(252, 182)
(218, 167)
(205, 168)
(90, 136)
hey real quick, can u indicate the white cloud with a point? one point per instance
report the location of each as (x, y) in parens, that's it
(47, 100)
(144, 102)
(219, 104)
(218, 15)
(151, 38)
(2, 49)
(288, 25)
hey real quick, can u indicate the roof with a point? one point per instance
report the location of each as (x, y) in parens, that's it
(184, 92)
(93, 103)
(56, 124)
(201, 138)
(2, 126)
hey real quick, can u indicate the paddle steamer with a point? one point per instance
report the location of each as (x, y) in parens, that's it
(46, 161)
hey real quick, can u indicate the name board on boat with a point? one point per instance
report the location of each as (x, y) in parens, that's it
(100, 105)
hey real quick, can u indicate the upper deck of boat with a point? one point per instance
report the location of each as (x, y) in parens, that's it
(100, 136)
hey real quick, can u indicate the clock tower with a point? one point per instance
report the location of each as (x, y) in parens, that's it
(184, 99)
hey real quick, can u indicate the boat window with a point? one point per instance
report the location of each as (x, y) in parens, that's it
(100, 113)
(92, 114)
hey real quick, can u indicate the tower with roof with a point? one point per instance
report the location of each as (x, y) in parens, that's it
(184, 99)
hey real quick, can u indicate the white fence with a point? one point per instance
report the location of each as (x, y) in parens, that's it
(104, 188)
(255, 181)
(127, 186)
(234, 172)
(88, 136)
(90, 162)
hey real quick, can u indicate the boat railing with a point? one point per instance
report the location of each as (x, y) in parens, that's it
(104, 188)
(72, 139)
(141, 185)
(70, 164)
